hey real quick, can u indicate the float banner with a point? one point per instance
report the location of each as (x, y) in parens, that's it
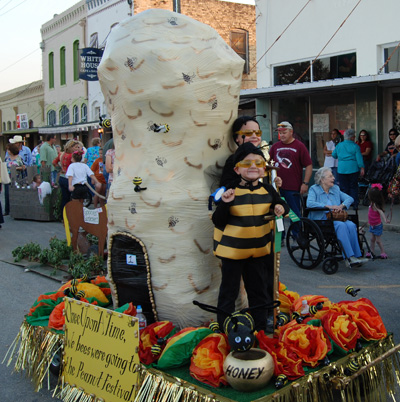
(100, 351)
(90, 58)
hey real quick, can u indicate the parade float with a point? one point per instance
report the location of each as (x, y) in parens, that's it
(171, 85)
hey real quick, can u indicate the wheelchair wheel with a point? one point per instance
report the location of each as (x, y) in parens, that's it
(330, 265)
(305, 243)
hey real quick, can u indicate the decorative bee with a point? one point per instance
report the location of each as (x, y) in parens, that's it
(188, 78)
(151, 126)
(325, 361)
(281, 319)
(217, 144)
(137, 181)
(74, 292)
(106, 123)
(80, 294)
(157, 128)
(157, 348)
(359, 346)
(281, 381)
(123, 136)
(351, 291)
(130, 63)
(172, 21)
(238, 326)
(214, 326)
(352, 367)
(161, 161)
(214, 104)
(314, 309)
(132, 208)
(172, 221)
(296, 316)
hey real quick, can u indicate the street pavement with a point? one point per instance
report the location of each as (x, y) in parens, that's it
(379, 280)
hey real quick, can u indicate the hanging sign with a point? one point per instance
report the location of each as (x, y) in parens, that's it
(90, 58)
(22, 121)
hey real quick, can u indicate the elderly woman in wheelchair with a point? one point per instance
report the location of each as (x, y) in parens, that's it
(326, 197)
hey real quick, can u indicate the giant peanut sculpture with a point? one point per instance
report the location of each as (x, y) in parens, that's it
(171, 85)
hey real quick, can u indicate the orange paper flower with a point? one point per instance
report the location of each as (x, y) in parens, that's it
(366, 317)
(148, 338)
(57, 319)
(285, 360)
(287, 298)
(208, 360)
(307, 341)
(341, 329)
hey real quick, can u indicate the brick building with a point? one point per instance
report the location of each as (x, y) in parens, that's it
(70, 107)
(235, 22)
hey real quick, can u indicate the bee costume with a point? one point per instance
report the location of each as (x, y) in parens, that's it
(243, 241)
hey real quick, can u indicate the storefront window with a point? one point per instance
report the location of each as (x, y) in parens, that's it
(329, 111)
(396, 111)
(295, 111)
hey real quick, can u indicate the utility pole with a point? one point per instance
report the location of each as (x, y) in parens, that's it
(177, 6)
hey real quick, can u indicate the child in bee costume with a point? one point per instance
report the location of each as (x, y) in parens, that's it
(243, 238)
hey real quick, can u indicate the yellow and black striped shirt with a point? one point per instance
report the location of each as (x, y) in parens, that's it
(240, 229)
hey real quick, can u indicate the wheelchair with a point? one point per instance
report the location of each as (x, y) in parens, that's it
(310, 242)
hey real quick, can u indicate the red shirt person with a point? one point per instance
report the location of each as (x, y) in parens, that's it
(291, 156)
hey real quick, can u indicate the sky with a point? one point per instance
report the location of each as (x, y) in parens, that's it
(20, 23)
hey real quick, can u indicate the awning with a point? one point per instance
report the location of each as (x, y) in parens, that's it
(21, 131)
(71, 128)
(381, 80)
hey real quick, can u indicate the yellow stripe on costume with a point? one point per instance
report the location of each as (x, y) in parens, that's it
(218, 234)
(251, 232)
(241, 254)
(243, 191)
(250, 209)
